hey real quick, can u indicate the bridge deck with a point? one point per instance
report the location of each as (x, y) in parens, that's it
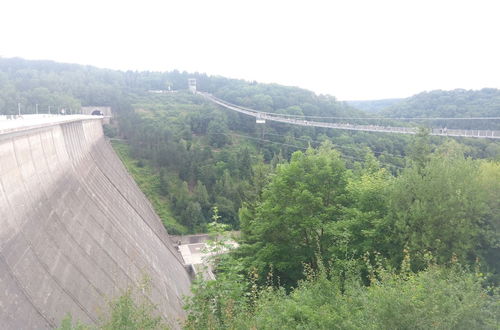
(260, 115)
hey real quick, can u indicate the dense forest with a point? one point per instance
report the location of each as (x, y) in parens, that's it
(338, 229)
(458, 103)
(373, 106)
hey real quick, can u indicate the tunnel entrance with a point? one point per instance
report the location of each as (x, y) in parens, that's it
(97, 113)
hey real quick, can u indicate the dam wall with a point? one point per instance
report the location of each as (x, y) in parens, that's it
(76, 231)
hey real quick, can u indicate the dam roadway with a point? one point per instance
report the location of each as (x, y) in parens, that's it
(75, 230)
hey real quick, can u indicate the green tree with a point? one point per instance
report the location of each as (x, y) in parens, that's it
(363, 228)
(420, 149)
(163, 182)
(214, 303)
(218, 133)
(132, 311)
(438, 208)
(489, 243)
(201, 196)
(437, 298)
(245, 164)
(298, 207)
(193, 216)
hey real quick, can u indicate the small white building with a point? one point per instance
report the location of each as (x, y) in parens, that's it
(197, 254)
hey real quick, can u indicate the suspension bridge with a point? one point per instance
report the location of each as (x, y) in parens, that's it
(262, 117)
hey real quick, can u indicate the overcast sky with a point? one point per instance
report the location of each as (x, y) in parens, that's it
(351, 49)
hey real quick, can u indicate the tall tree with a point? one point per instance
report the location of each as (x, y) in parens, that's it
(438, 208)
(299, 205)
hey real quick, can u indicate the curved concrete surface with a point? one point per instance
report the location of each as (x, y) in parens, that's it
(75, 230)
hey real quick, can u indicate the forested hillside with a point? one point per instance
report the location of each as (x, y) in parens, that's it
(373, 106)
(60, 85)
(338, 229)
(454, 103)
(327, 247)
(458, 103)
(200, 154)
(205, 155)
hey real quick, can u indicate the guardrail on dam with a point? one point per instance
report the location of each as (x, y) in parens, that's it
(75, 230)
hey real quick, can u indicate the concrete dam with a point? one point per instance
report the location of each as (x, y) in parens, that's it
(75, 230)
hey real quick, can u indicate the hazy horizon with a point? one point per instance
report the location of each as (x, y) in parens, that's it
(357, 50)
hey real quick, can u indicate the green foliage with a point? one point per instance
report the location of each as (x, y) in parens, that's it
(489, 181)
(125, 313)
(374, 106)
(190, 172)
(455, 103)
(109, 131)
(439, 297)
(128, 311)
(194, 215)
(442, 204)
(440, 208)
(67, 324)
(215, 302)
(352, 206)
(215, 228)
(443, 298)
(218, 133)
(420, 149)
(298, 208)
(151, 185)
(363, 228)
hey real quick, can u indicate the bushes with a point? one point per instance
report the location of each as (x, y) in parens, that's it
(439, 297)
(442, 298)
(125, 312)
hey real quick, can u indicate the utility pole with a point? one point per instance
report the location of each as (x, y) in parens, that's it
(49, 109)
(19, 108)
(36, 108)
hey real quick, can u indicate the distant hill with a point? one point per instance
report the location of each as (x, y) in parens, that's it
(59, 85)
(373, 105)
(457, 103)
(454, 103)
(70, 86)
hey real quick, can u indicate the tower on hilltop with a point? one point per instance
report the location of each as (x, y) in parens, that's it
(192, 85)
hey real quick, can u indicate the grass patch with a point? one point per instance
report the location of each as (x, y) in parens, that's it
(147, 178)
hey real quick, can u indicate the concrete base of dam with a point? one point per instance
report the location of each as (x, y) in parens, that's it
(76, 231)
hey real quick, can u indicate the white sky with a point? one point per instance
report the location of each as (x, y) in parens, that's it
(351, 49)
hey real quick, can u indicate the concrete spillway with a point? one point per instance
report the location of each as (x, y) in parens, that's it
(75, 230)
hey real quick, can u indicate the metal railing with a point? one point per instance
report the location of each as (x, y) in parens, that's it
(488, 134)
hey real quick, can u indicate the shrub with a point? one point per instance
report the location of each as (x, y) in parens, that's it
(439, 297)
